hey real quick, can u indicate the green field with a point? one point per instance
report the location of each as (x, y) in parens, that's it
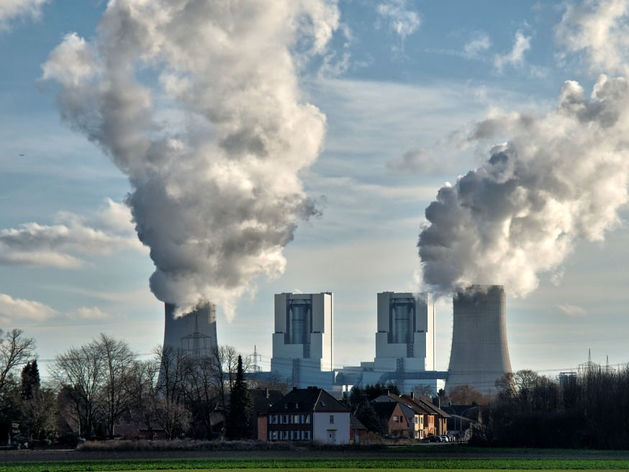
(319, 464)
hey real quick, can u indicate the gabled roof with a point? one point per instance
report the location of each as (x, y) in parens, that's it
(355, 424)
(428, 406)
(262, 399)
(308, 399)
(384, 409)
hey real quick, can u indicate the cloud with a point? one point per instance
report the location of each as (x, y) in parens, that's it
(399, 18)
(561, 176)
(477, 45)
(18, 309)
(421, 161)
(599, 29)
(571, 310)
(10, 10)
(216, 192)
(89, 313)
(515, 57)
(64, 243)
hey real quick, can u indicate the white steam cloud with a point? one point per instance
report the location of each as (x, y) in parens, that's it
(561, 176)
(10, 10)
(198, 103)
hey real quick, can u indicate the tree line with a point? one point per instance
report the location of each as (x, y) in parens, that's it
(588, 410)
(98, 386)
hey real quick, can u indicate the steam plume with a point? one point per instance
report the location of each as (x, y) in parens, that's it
(562, 176)
(198, 103)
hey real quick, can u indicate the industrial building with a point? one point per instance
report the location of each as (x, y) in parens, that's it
(193, 333)
(302, 340)
(479, 354)
(405, 337)
(405, 346)
(302, 343)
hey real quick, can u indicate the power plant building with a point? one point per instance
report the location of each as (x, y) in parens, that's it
(405, 337)
(193, 333)
(479, 354)
(302, 340)
(404, 346)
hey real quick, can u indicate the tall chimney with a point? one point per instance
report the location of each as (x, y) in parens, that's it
(193, 333)
(479, 354)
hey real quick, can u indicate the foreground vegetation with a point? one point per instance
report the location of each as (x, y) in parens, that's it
(404, 463)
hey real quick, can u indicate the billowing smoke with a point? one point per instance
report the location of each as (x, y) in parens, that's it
(561, 176)
(197, 101)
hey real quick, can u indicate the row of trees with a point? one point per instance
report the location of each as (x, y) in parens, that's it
(589, 410)
(99, 386)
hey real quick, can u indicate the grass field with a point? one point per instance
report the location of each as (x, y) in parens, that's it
(320, 464)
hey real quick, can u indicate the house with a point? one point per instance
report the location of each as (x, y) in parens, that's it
(357, 430)
(439, 424)
(423, 418)
(415, 417)
(393, 418)
(261, 400)
(307, 414)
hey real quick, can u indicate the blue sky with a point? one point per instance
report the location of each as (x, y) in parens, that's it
(389, 84)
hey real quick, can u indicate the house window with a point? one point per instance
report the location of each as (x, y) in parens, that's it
(284, 434)
(396, 419)
(285, 419)
(307, 435)
(296, 419)
(331, 419)
(307, 419)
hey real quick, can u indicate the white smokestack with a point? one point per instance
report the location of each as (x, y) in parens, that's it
(198, 103)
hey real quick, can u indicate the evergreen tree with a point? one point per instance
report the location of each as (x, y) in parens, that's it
(30, 380)
(238, 426)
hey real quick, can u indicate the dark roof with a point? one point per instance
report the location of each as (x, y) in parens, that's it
(418, 405)
(384, 409)
(433, 409)
(308, 399)
(263, 398)
(355, 424)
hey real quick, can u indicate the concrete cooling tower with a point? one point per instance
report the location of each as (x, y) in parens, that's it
(193, 333)
(480, 354)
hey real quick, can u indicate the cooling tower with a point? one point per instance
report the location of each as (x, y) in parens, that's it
(480, 354)
(194, 333)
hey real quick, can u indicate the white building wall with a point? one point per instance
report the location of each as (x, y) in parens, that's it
(389, 355)
(321, 427)
(289, 359)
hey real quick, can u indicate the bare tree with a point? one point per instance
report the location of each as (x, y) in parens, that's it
(118, 362)
(15, 350)
(143, 387)
(171, 413)
(79, 372)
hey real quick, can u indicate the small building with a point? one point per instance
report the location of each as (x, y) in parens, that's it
(423, 418)
(440, 417)
(393, 418)
(261, 400)
(357, 430)
(307, 414)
